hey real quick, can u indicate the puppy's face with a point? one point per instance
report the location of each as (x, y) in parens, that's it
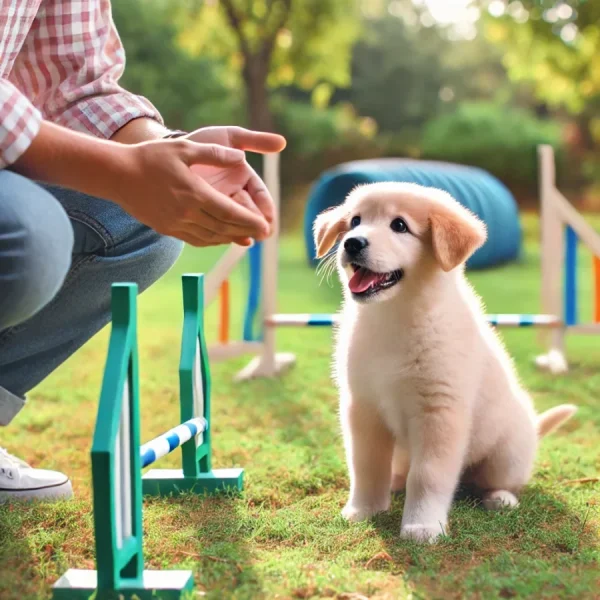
(391, 233)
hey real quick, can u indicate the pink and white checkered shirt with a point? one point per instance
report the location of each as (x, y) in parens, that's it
(61, 60)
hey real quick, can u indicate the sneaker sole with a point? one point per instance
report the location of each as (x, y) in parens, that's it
(61, 491)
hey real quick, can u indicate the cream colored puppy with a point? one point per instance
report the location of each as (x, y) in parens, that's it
(428, 393)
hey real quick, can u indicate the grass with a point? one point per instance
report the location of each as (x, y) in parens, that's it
(284, 538)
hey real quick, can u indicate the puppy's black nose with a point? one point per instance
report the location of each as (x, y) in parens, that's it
(354, 245)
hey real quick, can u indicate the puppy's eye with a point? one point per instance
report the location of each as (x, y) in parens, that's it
(355, 222)
(399, 226)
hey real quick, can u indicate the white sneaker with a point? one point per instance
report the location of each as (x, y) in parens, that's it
(20, 482)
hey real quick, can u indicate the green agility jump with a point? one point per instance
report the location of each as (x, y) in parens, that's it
(117, 459)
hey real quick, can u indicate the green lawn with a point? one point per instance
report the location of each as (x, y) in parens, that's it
(284, 538)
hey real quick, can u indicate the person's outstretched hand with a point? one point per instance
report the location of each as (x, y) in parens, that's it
(240, 182)
(200, 190)
(197, 192)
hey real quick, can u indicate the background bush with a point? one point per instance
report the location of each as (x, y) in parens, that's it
(500, 139)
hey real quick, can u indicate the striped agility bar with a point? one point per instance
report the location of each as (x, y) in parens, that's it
(323, 320)
(302, 320)
(167, 442)
(523, 320)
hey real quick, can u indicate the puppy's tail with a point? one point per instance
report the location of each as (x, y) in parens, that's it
(551, 419)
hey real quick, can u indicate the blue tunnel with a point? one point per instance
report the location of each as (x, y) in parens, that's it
(474, 188)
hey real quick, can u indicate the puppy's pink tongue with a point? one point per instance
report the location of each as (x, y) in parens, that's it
(362, 280)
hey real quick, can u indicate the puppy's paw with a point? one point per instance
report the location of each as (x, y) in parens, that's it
(500, 500)
(358, 513)
(423, 533)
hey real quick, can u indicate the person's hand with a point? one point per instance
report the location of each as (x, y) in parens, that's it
(160, 189)
(240, 138)
(240, 182)
(153, 181)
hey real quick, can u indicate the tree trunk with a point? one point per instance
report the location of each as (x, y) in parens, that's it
(584, 123)
(258, 108)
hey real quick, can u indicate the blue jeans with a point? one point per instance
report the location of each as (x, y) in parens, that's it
(60, 251)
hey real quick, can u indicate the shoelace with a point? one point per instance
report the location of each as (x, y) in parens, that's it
(8, 462)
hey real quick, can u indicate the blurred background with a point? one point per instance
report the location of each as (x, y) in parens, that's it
(477, 82)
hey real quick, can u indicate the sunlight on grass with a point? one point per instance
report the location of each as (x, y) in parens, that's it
(284, 538)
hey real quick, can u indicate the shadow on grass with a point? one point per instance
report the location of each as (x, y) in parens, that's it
(207, 535)
(39, 543)
(543, 548)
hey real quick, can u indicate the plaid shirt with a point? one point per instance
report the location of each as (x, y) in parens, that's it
(61, 60)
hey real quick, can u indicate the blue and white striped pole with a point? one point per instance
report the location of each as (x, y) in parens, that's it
(327, 320)
(151, 451)
(517, 320)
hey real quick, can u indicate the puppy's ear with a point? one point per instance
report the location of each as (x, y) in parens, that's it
(328, 227)
(455, 234)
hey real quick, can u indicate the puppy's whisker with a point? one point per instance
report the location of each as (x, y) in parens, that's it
(322, 265)
(325, 260)
(326, 267)
(329, 273)
(325, 277)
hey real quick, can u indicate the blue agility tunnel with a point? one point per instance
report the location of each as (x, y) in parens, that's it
(474, 188)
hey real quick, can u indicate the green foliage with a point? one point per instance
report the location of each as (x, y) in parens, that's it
(497, 138)
(188, 91)
(230, 61)
(564, 71)
(311, 130)
(311, 39)
(318, 138)
(420, 71)
(552, 47)
(403, 89)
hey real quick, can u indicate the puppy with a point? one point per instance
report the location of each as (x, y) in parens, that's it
(428, 394)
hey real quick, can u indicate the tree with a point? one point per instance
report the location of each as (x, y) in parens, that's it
(404, 88)
(159, 69)
(421, 70)
(560, 41)
(275, 43)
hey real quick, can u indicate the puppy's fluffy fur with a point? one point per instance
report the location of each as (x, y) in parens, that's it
(428, 394)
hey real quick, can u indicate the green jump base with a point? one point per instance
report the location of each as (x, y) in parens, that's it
(166, 482)
(81, 584)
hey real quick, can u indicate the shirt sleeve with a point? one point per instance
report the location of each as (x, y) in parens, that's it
(89, 58)
(19, 123)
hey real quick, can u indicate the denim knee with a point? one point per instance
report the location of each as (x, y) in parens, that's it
(36, 243)
(161, 253)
